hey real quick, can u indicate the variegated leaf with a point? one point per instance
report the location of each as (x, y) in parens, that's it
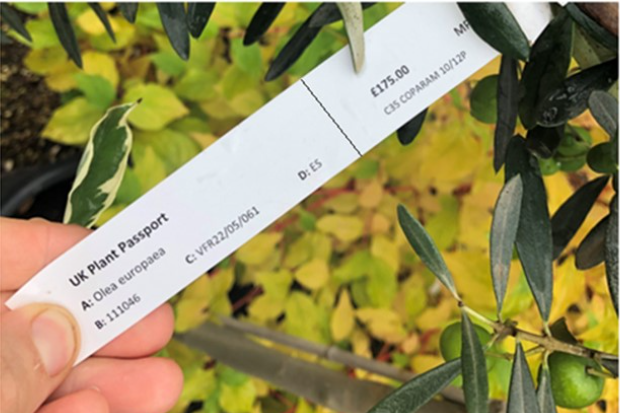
(101, 168)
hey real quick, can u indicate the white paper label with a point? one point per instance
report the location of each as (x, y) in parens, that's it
(258, 171)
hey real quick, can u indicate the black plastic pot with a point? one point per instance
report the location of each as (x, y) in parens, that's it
(38, 191)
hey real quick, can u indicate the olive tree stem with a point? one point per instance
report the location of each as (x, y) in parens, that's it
(594, 372)
(548, 342)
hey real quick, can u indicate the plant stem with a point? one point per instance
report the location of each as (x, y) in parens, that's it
(595, 372)
(535, 350)
(548, 342)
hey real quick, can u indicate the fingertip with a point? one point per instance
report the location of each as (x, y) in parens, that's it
(84, 401)
(145, 338)
(170, 386)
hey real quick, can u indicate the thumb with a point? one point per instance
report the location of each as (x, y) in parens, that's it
(39, 346)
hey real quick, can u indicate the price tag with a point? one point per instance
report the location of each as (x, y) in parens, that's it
(262, 168)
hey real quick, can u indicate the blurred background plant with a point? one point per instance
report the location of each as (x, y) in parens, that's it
(336, 270)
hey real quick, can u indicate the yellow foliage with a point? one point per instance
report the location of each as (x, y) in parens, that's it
(382, 247)
(382, 323)
(313, 275)
(345, 228)
(371, 195)
(101, 64)
(343, 318)
(90, 23)
(257, 250)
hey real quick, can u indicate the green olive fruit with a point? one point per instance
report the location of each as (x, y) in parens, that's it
(571, 164)
(572, 386)
(548, 166)
(451, 338)
(574, 143)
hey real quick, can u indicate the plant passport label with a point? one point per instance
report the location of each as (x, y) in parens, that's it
(262, 168)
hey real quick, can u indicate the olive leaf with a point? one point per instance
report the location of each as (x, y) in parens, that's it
(261, 21)
(507, 108)
(354, 26)
(611, 252)
(547, 67)
(544, 394)
(11, 18)
(483, 99)
(103, 17)
(4, 38)
(173, 19)
(560, 330)
(603, 158)
(420, 390)
(534, 239)
(591, 251)
(198, 15)
(329, 13)
(611, 366)
(408, 132)
(292, 50)
(503, 234)
(604, 108)
(101, 168)
(543, 142)
(425, 248)
(64, 30)
(570, 99)
(521, 395)
(592, 28)
(474, 368)
(129, 11)
(496, 25)
(571, 214)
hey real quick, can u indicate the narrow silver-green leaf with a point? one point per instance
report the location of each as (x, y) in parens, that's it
(611, 252)
(10, 17)
(64, 30)
(408, 132)
(329, 13)
(611, 366)
(507, 109)
(591, 251)
(544, 142)
(592, 28)
(534, 241)
(292, 50)
(416, 393)
(560, 330)
(569, 217)
(101, 168)
(198, 15)
(522, 395)
(173, 19)
(570, 98)
(544, 394)
(503, 234)
(425, 247)
(474, 368)
(129, 11)
(496, 25)
(103, 17)
(354, 26)
(261, 21)
(547, 67)
(4, 38)
(604, 108)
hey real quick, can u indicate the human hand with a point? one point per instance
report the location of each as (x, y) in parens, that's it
(39, 343)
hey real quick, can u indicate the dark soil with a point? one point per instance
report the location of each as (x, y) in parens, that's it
(26, 105)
